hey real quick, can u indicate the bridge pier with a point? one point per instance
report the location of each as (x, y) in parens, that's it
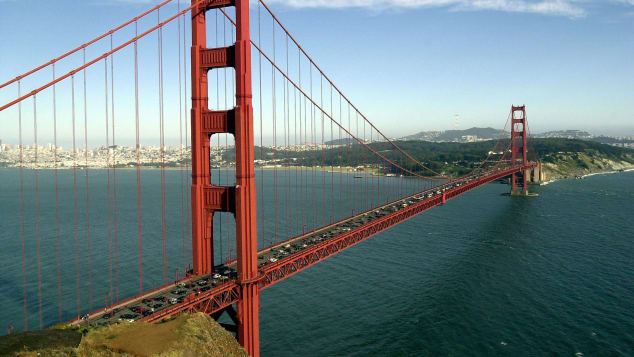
(535, 175)
(249, 318)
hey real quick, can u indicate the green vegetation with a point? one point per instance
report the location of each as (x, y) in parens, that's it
(18, 344)
(446, 158)
(550, 146)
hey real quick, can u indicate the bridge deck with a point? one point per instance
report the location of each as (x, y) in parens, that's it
(212, 293)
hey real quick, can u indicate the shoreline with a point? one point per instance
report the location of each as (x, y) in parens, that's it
(607, 172)
(631, 169)
(327, 169)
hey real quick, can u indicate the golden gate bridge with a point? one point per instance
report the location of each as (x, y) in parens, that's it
(329, 186)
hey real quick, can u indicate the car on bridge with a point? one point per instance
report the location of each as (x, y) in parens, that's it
(128, 317)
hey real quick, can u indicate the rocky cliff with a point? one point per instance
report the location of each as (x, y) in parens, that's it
(575, 164)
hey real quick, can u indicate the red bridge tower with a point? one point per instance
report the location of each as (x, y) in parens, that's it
(518, 146)
(240, 199)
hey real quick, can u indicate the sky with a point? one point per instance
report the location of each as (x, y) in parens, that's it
(408, 65)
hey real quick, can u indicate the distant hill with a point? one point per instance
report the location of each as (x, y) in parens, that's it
(341, 141)
(566, 157)
(461, 136)
(479, 134)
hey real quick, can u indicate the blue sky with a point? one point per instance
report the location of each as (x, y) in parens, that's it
(411, 65)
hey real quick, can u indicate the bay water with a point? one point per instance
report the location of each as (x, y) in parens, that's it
(485, 274)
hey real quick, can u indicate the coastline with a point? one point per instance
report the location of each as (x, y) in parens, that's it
(607, 172)
(553, 177)
(631, 169)
(327, 169)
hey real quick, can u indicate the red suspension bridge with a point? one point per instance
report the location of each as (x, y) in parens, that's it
(285, 170)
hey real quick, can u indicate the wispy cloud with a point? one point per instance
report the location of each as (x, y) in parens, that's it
(569, 8)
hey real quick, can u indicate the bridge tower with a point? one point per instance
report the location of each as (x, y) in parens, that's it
(241, 198)
(518, 148)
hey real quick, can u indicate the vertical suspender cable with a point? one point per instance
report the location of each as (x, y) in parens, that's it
(323, 154)
(57, 232)
(308, 161)
(402, 192)
(332, 168)
(375, 177)
(220, 253)
(108, 193)
(87, 188)
(340, 162)
(37, 210)
(227, 168)
(407, 190)
(76, 208)
(274, 137)
(114, 178)
(378, 178)
(26, 322)
(378, 175)
(357, 199)
(301, 143)
(162, 143)
(233, 96)
(371, 191)
(187, 177)
(224, 43)
(296, 209)
(138, 159)
(313, 141)
(366, 182)
(350, 189)
(221, 257)
(372, 204)
(286, 142)
(304, 173)
(389, 182)
(364, 156)
(261, 129)
(180, 130)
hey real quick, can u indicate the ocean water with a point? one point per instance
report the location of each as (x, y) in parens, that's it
(485, 274)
